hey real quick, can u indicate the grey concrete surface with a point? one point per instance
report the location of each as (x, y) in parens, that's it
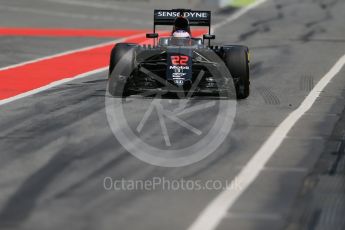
(320, 203)
(56, 147)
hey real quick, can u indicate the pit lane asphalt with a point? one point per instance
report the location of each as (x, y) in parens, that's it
(56, 147)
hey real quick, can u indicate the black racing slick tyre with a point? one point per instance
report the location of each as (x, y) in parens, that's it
(120, 68)
(237, 60)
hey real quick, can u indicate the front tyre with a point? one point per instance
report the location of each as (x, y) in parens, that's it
(120, 68)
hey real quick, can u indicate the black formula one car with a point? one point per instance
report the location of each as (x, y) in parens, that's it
(175, 64)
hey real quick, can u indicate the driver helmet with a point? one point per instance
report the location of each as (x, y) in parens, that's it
(181, 28)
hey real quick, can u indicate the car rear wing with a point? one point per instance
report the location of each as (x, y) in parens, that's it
(168, 17)
(196, 18)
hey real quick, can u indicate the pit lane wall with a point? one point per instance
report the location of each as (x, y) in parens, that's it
(228, 3)
(191, 4)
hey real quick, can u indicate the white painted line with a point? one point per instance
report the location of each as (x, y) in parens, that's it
(103, 5)
(51, 85)
(69, 52)
(212, 215)
(53, 13)
(63, 81)
(71, 15)
(238, 14)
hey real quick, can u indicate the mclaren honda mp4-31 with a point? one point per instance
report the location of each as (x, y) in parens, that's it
(179, 64)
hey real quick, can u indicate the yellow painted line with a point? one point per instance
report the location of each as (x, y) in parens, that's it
(241, 3)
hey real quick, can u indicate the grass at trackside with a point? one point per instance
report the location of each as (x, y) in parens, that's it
(241, 3)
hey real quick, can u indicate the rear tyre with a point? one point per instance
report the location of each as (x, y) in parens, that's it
(237, 60)
(123, 55)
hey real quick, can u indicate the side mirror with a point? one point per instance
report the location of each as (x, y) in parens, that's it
(209, 36)
(153, 35)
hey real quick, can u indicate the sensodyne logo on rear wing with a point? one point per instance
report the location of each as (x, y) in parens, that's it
(196, 18)
(191, 15)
